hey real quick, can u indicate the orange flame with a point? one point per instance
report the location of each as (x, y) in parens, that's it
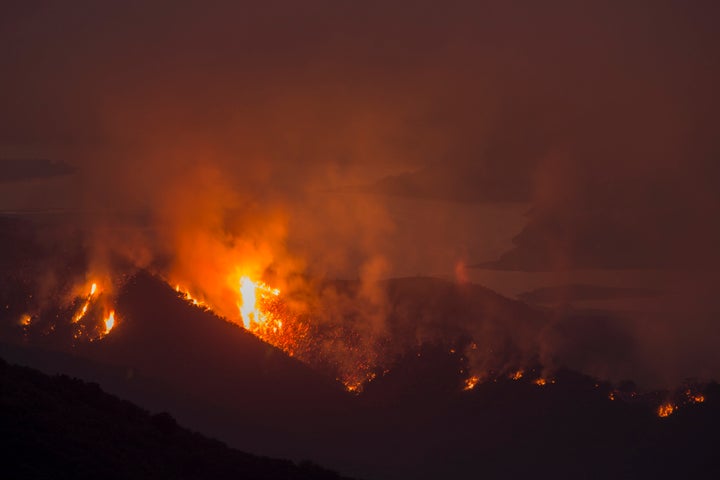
(665, 410)
(517, 375)
(694, 397)
(248, 305)
(190, 299)
(471, 382)
(262, 312)
(25, 320)
(109, 321)
(83, 310)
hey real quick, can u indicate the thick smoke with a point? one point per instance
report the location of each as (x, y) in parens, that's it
(294, 142)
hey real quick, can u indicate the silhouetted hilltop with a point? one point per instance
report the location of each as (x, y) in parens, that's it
(59, 427)
(566, 428)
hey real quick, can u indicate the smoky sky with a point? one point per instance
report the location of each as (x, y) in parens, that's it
(601, 116)
(375, 138)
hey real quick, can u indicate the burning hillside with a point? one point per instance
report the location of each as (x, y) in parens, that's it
(160, 328)
(353, 331)
(344, 349)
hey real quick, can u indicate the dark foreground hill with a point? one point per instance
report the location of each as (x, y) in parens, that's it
(59, 427)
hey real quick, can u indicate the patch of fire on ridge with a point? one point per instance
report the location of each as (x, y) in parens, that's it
(87, 314)
(262, 311)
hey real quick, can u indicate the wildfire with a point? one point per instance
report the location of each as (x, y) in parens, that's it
(88, 300)
(355, 384)
(109, 321)
(87, 319)
(262, 311)
(471, 382)
(540, 382)
(25, 320)
(694, 397)
(517, 375)
(665, 410)
(248, 306)
(190, 299)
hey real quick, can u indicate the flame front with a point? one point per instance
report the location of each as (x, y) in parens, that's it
(251, 313)
(88, 323)
(248, 302)
(88, 300)
(109, 321)
(261, 310)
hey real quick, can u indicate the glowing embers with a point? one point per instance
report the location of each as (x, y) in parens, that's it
(265, 315)
(25, 323)
(262, 311)
(356, 383)
(25, 320)
(666, 409)
(471, 382)
(694, 397)
(517, 375)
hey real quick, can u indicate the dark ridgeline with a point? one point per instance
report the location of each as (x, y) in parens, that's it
(59, 427)
(413, 422)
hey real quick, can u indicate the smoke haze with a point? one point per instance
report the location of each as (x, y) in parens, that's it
(298, 143)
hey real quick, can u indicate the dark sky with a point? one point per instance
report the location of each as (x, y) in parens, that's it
(599, 118)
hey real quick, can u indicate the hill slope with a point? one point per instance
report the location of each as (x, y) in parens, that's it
(58, 427)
